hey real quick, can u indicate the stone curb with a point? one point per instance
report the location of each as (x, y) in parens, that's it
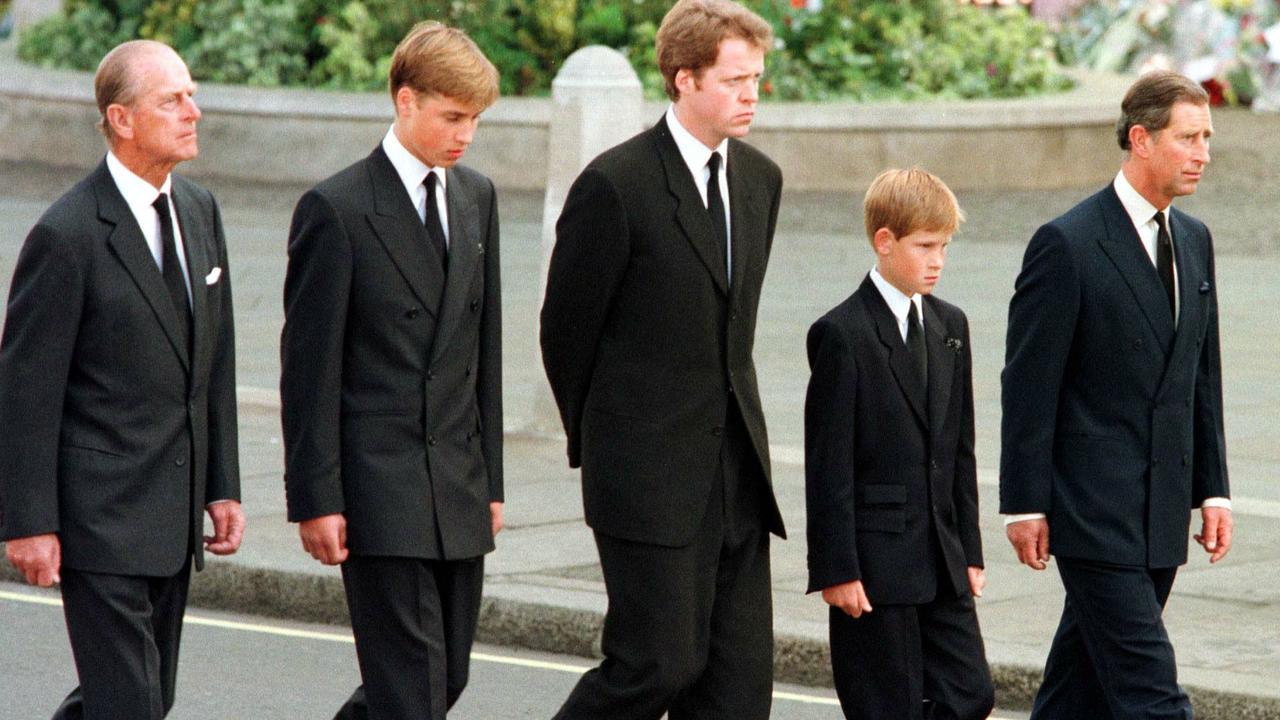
(302, 597)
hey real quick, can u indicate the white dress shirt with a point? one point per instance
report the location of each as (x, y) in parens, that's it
(140, 196)
(1142, 214)
(413, 173)
(696, 156)
(899, 304)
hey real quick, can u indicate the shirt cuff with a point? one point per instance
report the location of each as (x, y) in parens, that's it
(1218, 502)
(211, 503)
(1011, 519)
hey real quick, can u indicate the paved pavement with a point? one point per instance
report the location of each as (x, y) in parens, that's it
(543, 583)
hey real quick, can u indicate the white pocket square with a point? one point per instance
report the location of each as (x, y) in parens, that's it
(213, 276)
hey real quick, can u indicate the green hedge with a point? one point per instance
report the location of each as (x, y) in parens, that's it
(855, 49)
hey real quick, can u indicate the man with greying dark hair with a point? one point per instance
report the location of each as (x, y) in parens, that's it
(118, 393)
(1112, 431)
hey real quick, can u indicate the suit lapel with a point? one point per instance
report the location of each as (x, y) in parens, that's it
(1190, 301)
(691, 213)
(942, 365)
(891, 337)
(195, 236)
(1122, 245)
(395, 222)
(465, 251)
(750, 219)
(128, 244)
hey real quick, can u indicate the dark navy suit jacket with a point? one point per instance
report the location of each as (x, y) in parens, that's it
(1112, 412)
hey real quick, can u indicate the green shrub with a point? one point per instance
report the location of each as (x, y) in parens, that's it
(861, 49)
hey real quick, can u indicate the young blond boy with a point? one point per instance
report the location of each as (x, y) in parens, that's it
(889, 467)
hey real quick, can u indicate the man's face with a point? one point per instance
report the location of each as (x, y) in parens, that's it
(1176, 156)
(435, 128)
(720, 102)
(160, 124)
(912, 263)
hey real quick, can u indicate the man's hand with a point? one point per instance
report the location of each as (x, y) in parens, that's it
(849, 597)
(1215, 532)
(325, 538)
(38, 558)
(228, 527)
(1030, 540)
(495, 517)
(977, 580)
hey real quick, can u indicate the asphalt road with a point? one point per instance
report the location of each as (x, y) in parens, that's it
(237, 667)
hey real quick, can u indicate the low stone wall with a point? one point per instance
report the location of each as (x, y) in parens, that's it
(300, 136)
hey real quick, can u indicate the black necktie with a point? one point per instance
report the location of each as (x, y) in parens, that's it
(172, 270)
(1164, 260)
(915, 345)
(715, 208)
(435, 228)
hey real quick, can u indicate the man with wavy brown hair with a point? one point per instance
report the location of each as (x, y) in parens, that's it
(391, 382)
(647, 333)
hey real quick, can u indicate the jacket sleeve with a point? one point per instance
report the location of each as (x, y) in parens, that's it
(41, 324)
(964, 486)
(1210, 468)
(489, 380)
(1042, 319)
(316, 295)
(587, 266)
(829, 468)
(223, 479)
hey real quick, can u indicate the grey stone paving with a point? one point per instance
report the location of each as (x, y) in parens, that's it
(1225, 621)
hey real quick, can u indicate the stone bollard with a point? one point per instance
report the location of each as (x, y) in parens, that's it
(597, 104)
(27, 12)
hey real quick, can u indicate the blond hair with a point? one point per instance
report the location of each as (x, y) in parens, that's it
(692, 31)
(904, 201)
(434, 59)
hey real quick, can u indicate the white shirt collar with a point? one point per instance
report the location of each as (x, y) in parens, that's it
(138, 193)
(898, 302)
(1139, 209)
(695, 154)
(412, 171)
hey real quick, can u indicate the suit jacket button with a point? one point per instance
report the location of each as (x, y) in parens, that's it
(717, 431)
(180, 461)
(475, 304)
(468, 374)
(431, 375)
(1137, 344)
(411, 314)
(431, 440)
(933, 465)
(1186, 460)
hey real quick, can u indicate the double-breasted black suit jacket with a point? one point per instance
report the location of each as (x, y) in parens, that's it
(1112, 414)
(646, 341)
(887, 462)
(113, 434)
(391, 384)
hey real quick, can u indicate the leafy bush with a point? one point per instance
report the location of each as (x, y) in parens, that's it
(863, 49)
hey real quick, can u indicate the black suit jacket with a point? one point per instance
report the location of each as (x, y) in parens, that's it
(1112, 415)
(644, 339)
(886, 461)
(391, 382)
(111, 434)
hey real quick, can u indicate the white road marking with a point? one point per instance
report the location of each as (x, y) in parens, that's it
(347, 639)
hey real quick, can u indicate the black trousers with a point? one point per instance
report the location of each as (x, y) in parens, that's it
(125, 631)
(1111, 657)
(912, 662)
(414, 622)
(689, 630)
